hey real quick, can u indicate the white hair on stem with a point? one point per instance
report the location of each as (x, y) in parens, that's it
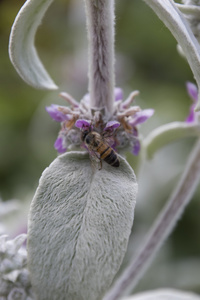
(100, 25)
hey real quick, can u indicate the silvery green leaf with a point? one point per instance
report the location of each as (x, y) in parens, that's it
(14, 245)
(79, 225)
(16, 294)
(176, 23)
(190, 9)
(23, 54)
(168, 133)
(164, 294)
(3, 241)
(12, 276)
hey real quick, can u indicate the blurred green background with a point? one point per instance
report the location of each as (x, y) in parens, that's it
(146, 60)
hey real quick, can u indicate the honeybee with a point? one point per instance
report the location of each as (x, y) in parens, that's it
(97, 145)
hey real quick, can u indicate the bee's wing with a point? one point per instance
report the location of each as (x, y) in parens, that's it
(93, 153)
(109, 139)
(95, 158)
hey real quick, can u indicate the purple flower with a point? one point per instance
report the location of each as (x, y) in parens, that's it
(83, 124)
(193, 93)
(55, 113)
(118, 93)
(138, 118)
(141, 117)
(58, 145)
(136, 147)
(125, 116)
(192, 90)
(111, 126)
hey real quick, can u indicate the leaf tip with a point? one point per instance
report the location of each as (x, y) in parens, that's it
(22, 52)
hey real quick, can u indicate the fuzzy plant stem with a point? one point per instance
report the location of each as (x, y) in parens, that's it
(162, 227)
(100, 26)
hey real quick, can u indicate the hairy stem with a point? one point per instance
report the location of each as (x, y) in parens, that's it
(100, 24)
(161, 228)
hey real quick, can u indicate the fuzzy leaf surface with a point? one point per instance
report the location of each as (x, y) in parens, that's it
(164, 294)
(79, 226)
(22, 52)
(168, 133)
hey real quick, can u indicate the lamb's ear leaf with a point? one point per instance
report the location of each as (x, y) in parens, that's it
(22, 52)
(167, 294)
(179, 27)
(79, 225)
(168, 133)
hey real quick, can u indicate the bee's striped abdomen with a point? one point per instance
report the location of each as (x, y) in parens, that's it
(101, 149)
(104, 151)
(109, 156)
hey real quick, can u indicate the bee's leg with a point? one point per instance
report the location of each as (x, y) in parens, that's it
(100, 161)
(96, 160)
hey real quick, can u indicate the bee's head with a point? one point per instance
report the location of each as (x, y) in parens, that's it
(85, 133)
(85, 126)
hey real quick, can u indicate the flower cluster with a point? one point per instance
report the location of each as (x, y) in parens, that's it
(14, 276)
(122, 124)
(192, 90)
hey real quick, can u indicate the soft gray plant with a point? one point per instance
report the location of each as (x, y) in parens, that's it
(14, 276)
(82, 214)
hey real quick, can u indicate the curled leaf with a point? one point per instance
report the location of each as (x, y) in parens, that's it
(168, 133)
(79, 226)
(23, 54)
(164, 294)
(177, 24)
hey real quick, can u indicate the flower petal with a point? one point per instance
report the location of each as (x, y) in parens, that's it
(23, 54)
(192, 91)
(83, 124)
(136, 147)
(58, 145)
(111, 125)
(118, 93)
(56, 114)
(191, 117)
(141, 116)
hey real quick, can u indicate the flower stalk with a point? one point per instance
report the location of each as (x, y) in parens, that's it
(100, 25)
(162, 227)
